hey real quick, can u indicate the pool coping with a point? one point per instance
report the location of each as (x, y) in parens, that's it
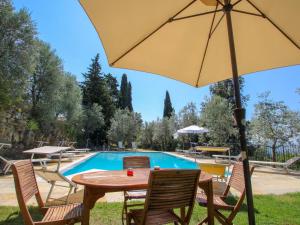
(76, 162)
(181, 156)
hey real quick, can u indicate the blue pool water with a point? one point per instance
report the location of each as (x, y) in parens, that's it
(114, 161)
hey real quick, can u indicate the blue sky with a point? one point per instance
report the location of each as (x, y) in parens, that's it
(64, 25)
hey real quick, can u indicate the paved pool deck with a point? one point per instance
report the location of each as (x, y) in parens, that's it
(265, 180)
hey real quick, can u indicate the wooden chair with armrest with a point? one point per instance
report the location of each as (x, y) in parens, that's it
(236, 182)
(133, 162)
(26, 187)
(168, 190)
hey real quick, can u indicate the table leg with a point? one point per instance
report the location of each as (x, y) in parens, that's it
(210, 203)
(91, 195)
(207, 187)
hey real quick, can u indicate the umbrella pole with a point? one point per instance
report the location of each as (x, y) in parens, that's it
(239, 115)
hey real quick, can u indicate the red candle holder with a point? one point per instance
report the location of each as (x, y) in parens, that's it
(129, 172)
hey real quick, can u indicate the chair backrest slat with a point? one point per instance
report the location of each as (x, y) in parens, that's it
(136, 162)
(170, 189)
(237, 180)
(26, 187)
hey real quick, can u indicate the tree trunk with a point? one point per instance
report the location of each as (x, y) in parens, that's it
(274, 152)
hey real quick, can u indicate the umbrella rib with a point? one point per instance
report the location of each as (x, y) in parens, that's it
(218, 1)
(274, 24)
(248, 13)
(195, 15)
(153, 32)
(217, 24)
(207, 43)
(237, 3)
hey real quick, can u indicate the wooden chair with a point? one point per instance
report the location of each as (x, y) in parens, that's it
(236, 182)
(26, 188)
(168, 190)
(133, 162)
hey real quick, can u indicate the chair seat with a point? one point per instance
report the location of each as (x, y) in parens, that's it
(153, 217)
(63, 213)
(138, 194)
(218, 202)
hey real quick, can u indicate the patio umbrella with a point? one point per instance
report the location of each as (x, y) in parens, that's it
(200, 42)
(192, 130)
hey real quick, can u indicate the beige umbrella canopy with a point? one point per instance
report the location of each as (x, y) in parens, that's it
(200, 42)
(170, 38)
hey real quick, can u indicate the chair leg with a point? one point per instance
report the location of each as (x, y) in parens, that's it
(221, 218)
(203, 221)
(128, 219)
(125, 212)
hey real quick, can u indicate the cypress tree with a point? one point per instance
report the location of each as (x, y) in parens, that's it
(129, 98)
(168, 109)
(92, 84)
(113, 85)
(96, 90)
(123, 92)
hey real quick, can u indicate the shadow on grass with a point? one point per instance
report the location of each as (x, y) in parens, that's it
(15, 218)
(232, 201)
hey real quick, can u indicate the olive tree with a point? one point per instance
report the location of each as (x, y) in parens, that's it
(125, 126)
(163, 133)
(216, 115)
(273, 123)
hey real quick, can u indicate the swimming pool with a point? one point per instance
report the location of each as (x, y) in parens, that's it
(114, 161)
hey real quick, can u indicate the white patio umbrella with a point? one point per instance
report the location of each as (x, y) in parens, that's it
(193, 129)
(200, 42)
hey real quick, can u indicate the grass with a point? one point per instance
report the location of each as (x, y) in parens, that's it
(270, 210)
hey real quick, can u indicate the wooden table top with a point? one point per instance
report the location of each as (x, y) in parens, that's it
(117, 180)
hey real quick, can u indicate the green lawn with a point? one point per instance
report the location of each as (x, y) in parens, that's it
(270, 210)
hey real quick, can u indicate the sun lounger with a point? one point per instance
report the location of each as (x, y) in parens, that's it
(133, 146)
(120, 145)
(79, 150)
(285, 165)
(41, 143)
(55, 178)
(227, 157)
(50, 151)
(8, 163)
(66, 155)
(4, 145)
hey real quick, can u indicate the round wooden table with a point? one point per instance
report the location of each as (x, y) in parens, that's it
(96, 184)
